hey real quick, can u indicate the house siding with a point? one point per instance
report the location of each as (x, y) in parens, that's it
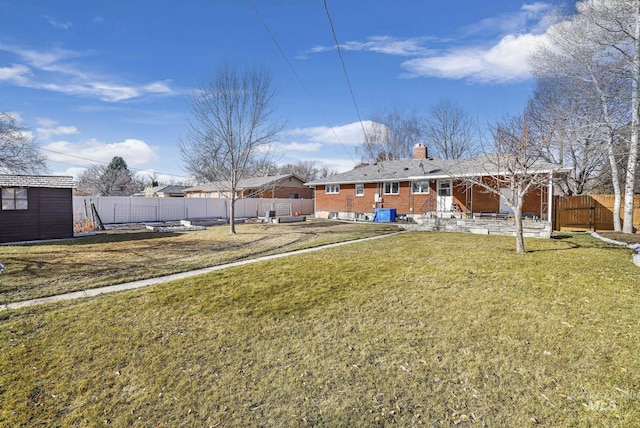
(49, 216)
(532, 203)
(406, 202)
(282, 192)
(279, 189)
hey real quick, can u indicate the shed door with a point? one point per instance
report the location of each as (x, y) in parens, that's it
(445, 196)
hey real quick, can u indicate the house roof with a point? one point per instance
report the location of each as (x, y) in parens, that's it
(172, 189)
(427, 169)
(51, 181)
(246, 183)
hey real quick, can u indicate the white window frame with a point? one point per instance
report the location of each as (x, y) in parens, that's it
(15, 198)
(423, 189)
(359, 186)
(389, 190)
(332, 189)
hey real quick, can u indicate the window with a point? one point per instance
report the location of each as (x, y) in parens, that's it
(444, 188)
(420, 187)
(392, 188)
(332, 188)
(359, 189)
(294, 195)
(14, 199)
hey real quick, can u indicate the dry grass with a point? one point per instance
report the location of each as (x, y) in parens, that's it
(40, 270)
(421, 328)
(81, 226)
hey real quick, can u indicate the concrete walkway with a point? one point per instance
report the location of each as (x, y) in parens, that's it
(154, 281)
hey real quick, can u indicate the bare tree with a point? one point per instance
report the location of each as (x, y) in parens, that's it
(307, 170)
(18, 152)
(601, 44)
(392, 136)
(577, 56)
(449, 131)
(569, 124)
(512, 161)
(114, 179)
(230, 124)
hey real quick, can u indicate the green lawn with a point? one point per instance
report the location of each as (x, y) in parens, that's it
(57, 267)
(439, 329)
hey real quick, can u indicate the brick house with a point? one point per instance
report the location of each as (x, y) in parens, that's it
(288, 186)
(422, 186)
(168, 191)
(35, 207)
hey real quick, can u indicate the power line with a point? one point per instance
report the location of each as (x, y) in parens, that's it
(297, 76)
(106, 163)
(344, 69)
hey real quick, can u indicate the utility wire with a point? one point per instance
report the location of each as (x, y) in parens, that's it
(346, 75)
(106, 163)
(297, 76)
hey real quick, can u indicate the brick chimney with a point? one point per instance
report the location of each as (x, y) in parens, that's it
(419, 151)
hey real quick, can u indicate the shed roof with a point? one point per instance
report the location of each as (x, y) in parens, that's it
(51, 181)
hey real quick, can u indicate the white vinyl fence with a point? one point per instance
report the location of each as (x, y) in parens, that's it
(122, 209)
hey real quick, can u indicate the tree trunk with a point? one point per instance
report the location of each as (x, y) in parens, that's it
(627, 226)
(617, 192)
(232, 213)
(517, 212)
(615, 174)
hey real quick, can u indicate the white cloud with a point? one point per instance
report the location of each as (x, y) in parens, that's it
(57, 75)
(300, 147)
(73, 171)
(135, 152)
(382, 44)
(58, 24)
(350, 134)
(506, 61)
(49, 128)
(536, 9)
(158, 87)
(502, 60)
(525, 20)
(501, 55)
(17, 73)
(334, 147)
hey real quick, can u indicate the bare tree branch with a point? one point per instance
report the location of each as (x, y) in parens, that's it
(18, 152)
(448, 131)
(392, 136)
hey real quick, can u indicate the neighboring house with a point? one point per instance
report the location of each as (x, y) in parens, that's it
(273, 186)
(170, 191)
(422, 186)
(35, 207)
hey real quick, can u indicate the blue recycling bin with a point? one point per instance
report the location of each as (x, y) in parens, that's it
(384, 215)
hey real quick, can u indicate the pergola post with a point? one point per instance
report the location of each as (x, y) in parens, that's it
(550, 197)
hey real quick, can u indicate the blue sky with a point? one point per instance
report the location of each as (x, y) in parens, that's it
(97, 79)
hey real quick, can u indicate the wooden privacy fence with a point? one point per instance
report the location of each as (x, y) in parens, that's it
(589, 212)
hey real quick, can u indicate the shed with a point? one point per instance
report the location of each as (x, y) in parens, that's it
(35, 207)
